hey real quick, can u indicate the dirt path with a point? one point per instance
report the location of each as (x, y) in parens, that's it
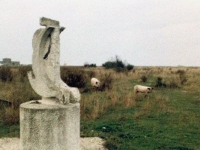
(93, 143)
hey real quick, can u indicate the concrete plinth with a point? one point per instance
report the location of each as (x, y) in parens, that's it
(49, 127)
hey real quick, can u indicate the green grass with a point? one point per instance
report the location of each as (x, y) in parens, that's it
(9, 131)
(168, 119)
(177, 128)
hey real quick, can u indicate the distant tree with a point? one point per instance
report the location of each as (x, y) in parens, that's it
(117, 64)
(109, 64)
(92, 65)
(129, 67)
(89, 65)
(86, 64)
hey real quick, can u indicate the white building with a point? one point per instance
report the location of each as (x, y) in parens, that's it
(8, 62)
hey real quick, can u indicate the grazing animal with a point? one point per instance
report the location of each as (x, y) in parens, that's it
(142, 89)
(95, 83)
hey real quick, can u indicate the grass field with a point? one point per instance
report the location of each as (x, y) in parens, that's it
(168, 119)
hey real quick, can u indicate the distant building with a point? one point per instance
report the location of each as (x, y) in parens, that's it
(8, 62)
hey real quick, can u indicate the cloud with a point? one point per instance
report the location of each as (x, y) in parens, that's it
(156, 32)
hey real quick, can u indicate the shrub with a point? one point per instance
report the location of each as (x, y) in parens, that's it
(129, 67)
(16, 92)
(91, 74)
(106, 82)
(143, 78)
(180, 72)
(10, 116)
(159, 83)
(173, 84)
(109, 65)
(74, 77)
(89, 65)
(117, 65)
(23, 70)
(182, 76)
(6, 74)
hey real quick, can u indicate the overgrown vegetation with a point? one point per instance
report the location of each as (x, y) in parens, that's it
(168, 119)
(6, 74)
(74, 77)
(17, 91)
(159, 82)
(144, 78)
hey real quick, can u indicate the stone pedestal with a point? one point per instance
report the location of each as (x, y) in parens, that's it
(49, 127)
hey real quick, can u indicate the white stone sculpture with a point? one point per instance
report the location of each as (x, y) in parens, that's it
(45, 78)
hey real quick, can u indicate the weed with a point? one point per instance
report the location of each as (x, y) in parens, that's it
(173, 84)
(144, 78)
(6, 74)
(159, 82)
(22, 72)
(10, 116)
(106, 82)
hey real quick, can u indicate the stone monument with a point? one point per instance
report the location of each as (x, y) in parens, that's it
(52, 123)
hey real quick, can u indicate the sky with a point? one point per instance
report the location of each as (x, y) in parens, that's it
(139, 32)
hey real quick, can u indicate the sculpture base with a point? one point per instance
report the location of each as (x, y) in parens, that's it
(49, 127)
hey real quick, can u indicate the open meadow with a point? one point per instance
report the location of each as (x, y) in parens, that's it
(166, 119)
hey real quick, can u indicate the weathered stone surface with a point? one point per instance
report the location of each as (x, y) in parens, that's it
(45, 77)
(49, 127)
(91, 143)
(47, 124)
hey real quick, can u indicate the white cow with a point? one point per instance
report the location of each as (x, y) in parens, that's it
(95, 83)
(142, 89)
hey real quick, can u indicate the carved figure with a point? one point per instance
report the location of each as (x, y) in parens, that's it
(45, 78)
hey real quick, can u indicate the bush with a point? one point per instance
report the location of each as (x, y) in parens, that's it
(91, 74)
(23, 70)
(109, 64)
(10, 116)
(173, 84)
(159, 83)
(182, 76)
(6, 74)
(129, 67)
(89, 65)
(143, 78)
(117, 65)
(74, 77)
(106, 82)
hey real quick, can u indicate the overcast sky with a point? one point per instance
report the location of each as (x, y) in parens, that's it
(140, 32)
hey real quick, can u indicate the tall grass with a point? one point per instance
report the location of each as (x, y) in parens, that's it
(16, 91)
(95, 104)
